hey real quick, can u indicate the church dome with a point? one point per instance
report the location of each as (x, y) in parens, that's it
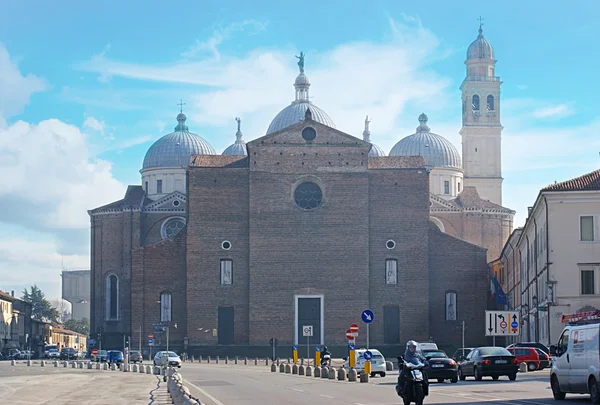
(296, 111)
(480, 48)
(238, 148)
(175, 149)
(435, 149)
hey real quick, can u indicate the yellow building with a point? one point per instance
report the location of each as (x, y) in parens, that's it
(68, 338)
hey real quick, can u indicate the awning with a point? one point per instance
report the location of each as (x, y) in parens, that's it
(581, 316)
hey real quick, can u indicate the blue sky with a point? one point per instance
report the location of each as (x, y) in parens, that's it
(85, 88)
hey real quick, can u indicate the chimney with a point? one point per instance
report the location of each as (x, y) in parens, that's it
(12, 293)
(529, 209)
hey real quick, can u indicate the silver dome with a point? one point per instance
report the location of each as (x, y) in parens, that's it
(296, 111)
(435, 149)
(375, 151)
(480, 48)
(175, 149)
(239, 147)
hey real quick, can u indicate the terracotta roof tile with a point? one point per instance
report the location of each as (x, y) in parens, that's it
(587, 182)
(469, 199)
(231, 161)
(396, 162)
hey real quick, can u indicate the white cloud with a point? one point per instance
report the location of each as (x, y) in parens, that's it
(93, 124)
(553, 111)
(15, 89)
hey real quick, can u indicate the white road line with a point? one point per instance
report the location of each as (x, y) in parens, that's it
(206, 394)
(297, 389)
(326, 396)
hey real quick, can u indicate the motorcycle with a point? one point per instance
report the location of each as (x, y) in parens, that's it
(415, 387)
(326, 360)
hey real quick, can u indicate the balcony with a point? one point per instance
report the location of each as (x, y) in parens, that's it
(482, 79)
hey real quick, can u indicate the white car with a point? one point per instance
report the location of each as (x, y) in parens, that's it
(174, 359)
(377, 362)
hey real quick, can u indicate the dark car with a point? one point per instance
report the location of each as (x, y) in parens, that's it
(544, 358)
(68, 353)
(488, 362)
(114, 356)
(135, 357)
(531, 344)
(440, 366)
(461, 353)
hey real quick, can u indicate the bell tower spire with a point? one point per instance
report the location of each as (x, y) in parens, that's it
(481, 130)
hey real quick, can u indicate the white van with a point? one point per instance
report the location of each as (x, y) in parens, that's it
(377, 362)
(576, 365)
(427, 346)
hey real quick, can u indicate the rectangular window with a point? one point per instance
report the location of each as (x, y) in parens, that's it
(587, 282)
(586, 228)
(158, 186)
(391, 271)
(226, 271)
(451, 306)
(459, 186)
(146, 187)
(165, 307)
(446, 187)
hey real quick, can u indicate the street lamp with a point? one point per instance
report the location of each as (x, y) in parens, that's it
(534, 301)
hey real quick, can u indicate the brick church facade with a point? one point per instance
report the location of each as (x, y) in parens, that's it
(306, 225)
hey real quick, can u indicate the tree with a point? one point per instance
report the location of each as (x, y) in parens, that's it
(42, 309)
(78, 325)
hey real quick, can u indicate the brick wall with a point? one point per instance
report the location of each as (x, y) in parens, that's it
(157, 268)
(459, 266)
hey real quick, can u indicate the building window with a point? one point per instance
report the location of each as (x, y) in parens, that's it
(391, 271)
(308, 195)
(451, 306)
(490, 103)
(158, 186)
(165, 307)
(112, 297)
(459, 186)
(146, 187)
(171, 227)
(475, 102)
(586, 228)
(587, 282)
(226, 271)
(446, 187)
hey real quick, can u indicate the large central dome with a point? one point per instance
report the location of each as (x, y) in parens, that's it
(175, 149)
(296, 111)
(436, 150)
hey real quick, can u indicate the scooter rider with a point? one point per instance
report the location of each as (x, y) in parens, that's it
(411, 355)
(324, 352)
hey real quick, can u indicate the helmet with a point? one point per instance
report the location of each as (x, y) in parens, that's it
(325, 348)
(411, 343)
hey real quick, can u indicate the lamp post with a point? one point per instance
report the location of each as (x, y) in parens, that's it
(534, 301)
(525, 311)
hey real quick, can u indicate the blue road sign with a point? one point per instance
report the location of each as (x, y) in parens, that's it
(92, 341)
(294, 347)
(318, 348)
(350, 347)
(150, 342)
(367, 316)
(368, 355)
(514, 325)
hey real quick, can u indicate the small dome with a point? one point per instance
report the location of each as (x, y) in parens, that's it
(238, 148)
(480, 48)
(435, 149)
(175, 149)
(302, 80)
(376, 151)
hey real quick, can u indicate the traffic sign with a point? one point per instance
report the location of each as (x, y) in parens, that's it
(92, 341)
(150, 336)
(150, 342)
(502, 323)
(307, 331)
(350, 347)
(350, 335)
(294, 347)
(367, 316)
(368, 355)
(317, 349)
(354, 328)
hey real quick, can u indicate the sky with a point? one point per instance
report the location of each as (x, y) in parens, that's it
(85, 88)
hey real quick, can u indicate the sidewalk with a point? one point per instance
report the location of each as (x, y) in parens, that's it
(85, 387)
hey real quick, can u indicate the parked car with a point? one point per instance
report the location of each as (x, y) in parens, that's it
(440, 366)
(100, 357)
(68, 353)
(576, 367)
(114, 356)
(174, 359)
(461, 353)
(135, 357)
(544, 358)
(47, 349)
(531, 344)
(527, 355)
(377, 362)
(488, 361)
(53, 354)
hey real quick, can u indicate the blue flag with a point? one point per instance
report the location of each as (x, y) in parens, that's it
(500, 296)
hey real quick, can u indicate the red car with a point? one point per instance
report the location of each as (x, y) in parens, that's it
(527, 355)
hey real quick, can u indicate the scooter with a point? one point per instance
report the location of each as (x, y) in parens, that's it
(326, 360)
(415, 387)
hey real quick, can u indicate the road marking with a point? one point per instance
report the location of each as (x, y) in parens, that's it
(297, 389)
(206, 394)
(326, 396)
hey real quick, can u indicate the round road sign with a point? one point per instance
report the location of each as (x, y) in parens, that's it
(514, 325)
(354, 328)
(350, 335)
(503, 324)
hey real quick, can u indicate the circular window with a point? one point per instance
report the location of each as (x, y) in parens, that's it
(226, 245)
(309, 134)
(390, 244)
(308, 196)
(172, 227)
(176, 203)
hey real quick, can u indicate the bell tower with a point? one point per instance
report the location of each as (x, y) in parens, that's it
(481, 130)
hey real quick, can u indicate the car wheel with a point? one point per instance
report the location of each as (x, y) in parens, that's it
(440, 380)
(512, 377)
(476, 374)
(594, 391)
(531, 366)
(495, 377)
(382, 374)
(556, 392)
(454, 380)
(461, 375)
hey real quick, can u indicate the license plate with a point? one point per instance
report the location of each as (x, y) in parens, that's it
(437, 365)
(501, 361)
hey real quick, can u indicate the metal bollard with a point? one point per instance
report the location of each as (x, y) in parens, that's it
(288, 369)
(295, 369)
(256, 361)
(317, 371)
(324, 372)
(98, 366)
(308, 371)
(341, 374)
(301, 370)
(352, 375)
(42, 363)
(200, 359)
(208, 359)
(236, 360)
(227, 360)
(246, 361)
(90, 366)
(364, 377)
(282, 368)
(217, 359)
(332, 373)
(273, 368)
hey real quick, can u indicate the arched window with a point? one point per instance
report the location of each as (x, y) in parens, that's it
(451, 305)
(475, 102)
(165, 307)
(112, 297)
(490, 103)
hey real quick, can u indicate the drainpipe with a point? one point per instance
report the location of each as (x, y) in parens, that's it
(527, 295)
(548, 269)
(536, 315)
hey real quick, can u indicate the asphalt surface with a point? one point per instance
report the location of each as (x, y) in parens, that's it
(254, 385)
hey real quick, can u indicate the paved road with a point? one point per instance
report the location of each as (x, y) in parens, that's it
(256, 385)
(22, 385)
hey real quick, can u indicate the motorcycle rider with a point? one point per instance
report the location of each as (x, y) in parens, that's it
(411, 355)
(324, 352)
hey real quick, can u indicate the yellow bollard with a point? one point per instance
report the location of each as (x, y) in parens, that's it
(295, 354)
(351, 356)
(317, 357)
(367, 367)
